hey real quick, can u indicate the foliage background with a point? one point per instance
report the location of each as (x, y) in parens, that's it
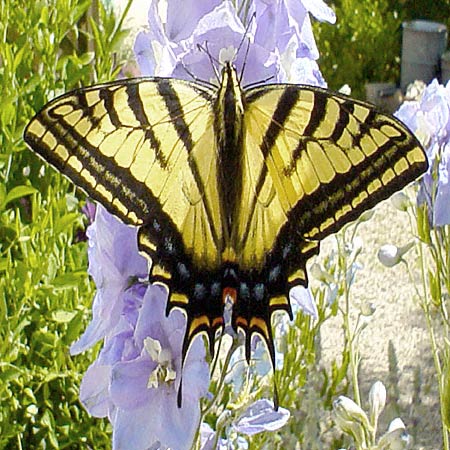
(365, 43)
(47, 48)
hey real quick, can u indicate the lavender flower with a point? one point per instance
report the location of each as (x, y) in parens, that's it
(429, 118)
(261, 416)
(257, 417)
(113, 261)
(138, 370)
(136, 378)
(282, 44)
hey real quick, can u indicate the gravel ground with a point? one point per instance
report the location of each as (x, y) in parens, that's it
(398, 322)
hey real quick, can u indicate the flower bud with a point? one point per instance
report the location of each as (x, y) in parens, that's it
(400, 201)
(345, 89)
(396, 424)
(351, 419)
(396, 438)
(302, 298)
(377, 401)
(317, 272)
(368, 309)
(390, 255)
(366, 215)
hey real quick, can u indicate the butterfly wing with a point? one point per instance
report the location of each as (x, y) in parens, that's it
(313, 161)
(145, 149)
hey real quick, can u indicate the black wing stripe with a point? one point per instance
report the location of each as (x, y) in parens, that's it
(175, 109)
(284, 107)
(106, 172)
(107, 98)
(135, 104)
(318, 112)
(345, 111)
(286, 102)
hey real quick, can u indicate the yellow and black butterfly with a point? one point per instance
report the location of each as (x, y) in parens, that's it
(232, 189)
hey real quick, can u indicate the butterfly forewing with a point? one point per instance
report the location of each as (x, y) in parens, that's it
(145, 150)
(322, 159)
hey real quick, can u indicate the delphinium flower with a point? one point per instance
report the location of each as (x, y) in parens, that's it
(259, 416)
(282, 47)
(136, 377)
(429, 118)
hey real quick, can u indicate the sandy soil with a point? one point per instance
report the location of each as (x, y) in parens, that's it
(398, 322)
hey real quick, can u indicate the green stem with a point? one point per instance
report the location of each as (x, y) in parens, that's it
(434, 349)
(350, 336)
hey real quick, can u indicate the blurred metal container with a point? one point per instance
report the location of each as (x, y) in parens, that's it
(384, 95)
(423, 44)
(445, 67)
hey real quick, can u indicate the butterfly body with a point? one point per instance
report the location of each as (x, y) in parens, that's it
(232, 189)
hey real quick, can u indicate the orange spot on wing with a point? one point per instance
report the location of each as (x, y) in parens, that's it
(218, 321)
(241, 322)
(231, 293)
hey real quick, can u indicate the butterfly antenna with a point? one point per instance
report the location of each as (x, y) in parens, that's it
(195, 78)
(259, 82)
(214, 62)
(245, 38)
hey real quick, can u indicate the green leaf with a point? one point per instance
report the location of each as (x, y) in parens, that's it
(10, 373)
(3, 264)
(66, 221)
(68, 280)
(74, 328)
(423, 224)
(446, 399)
(63, 316)
(19, 192)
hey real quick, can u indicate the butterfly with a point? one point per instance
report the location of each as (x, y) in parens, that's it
(232, 189)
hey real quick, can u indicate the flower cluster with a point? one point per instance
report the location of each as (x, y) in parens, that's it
(184, 37)
(429, 118)
(136, 377)
(362, 427)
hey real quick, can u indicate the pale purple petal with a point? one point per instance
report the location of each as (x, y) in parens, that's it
(320, 10)
(153, 410)
(184, 17)
(442, 200)
(129, 383)
(301, 298)
(153, 57)
(94, 390)
(113, 261)
(429, 118)
(159, 421)
(261, 416)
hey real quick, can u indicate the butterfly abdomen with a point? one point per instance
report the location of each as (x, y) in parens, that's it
(228, 123)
